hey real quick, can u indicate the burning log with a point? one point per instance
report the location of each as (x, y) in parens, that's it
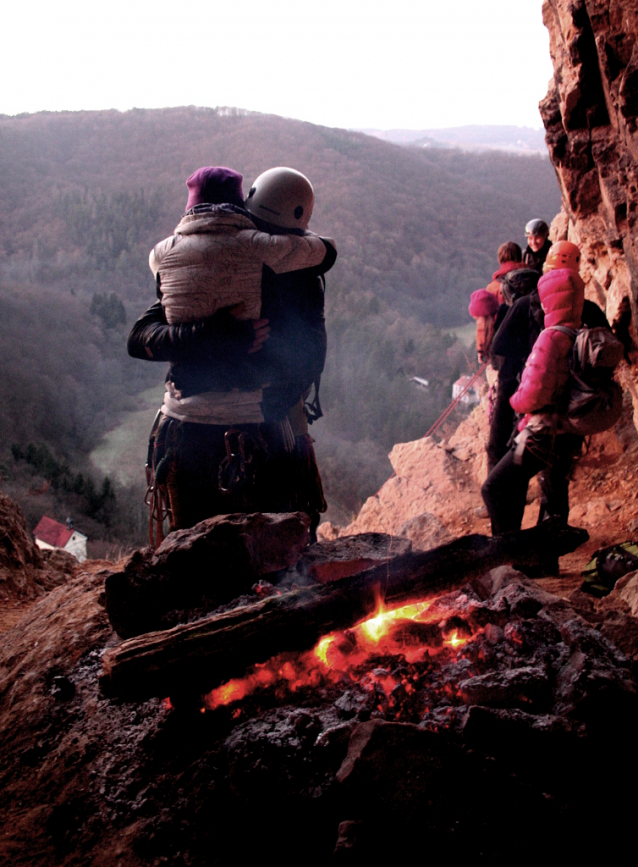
(194, 658)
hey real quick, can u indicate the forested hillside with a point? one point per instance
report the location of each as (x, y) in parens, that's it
(84, 196)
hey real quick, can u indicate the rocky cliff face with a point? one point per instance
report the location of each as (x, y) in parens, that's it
(591, 121)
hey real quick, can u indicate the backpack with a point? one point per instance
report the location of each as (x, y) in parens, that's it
(593, 400)
(515, 284)
(607, 566)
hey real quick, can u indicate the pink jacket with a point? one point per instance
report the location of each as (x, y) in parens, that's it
(562, 294)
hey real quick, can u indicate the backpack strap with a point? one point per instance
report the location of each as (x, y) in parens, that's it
(570, 332)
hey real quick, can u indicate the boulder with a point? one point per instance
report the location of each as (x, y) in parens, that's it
(200, 568)
(624, 596)
(425, 531)
(20, 558)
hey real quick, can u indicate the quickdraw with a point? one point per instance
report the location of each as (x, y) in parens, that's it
(237, 469)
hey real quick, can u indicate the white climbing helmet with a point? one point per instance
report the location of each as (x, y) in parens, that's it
(283, 197)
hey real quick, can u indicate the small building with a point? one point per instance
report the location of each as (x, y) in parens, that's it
(51, 534)
(470, 395)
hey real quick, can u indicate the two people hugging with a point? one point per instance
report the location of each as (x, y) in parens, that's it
(240, 319)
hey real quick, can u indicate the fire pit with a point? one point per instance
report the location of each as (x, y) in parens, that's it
(496, 700)
(470, 723)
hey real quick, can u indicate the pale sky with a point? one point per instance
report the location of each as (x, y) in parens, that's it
(412, 64)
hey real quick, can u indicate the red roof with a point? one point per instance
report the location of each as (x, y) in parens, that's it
(52, 532)
(463, 380)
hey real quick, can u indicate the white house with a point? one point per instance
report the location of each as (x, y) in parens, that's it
(51, 534)
(471, 395)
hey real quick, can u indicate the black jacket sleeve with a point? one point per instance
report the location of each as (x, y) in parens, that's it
(208, 355)
(216, 338)
(329, 259)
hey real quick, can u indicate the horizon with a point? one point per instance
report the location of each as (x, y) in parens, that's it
(249, 111)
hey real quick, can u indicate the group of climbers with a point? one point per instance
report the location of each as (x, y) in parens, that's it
(240, 320)
(542, 306)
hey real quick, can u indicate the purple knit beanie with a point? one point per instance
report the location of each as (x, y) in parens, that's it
(215, 185)
(483, 303)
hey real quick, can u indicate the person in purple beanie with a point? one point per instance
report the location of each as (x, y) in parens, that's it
(219, 446)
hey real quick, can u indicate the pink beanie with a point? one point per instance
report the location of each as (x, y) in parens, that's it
(215, 185)
(483, 303)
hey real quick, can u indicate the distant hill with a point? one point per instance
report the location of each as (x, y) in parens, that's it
(512, 139)
(84, 196)
(418, 228)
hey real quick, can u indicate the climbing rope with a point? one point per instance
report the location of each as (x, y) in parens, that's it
(449, 409)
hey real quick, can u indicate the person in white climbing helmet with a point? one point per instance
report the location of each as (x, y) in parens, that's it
(281, 200)
(223, 358)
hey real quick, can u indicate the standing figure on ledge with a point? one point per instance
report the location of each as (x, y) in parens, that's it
(540, 443)
(218, 445)
(538, 244)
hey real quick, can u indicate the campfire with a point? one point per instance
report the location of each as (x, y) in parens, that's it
(381, 618)
(390, 658)
(436, 700)
(414, 695)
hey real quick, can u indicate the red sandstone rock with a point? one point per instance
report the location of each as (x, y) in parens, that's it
(590, 115)
(433, 484)
(20, 559)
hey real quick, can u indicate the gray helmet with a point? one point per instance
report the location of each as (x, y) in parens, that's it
(283, 197)
(537, 227)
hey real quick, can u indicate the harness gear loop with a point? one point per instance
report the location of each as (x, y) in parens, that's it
(243, 450)
(156, 497)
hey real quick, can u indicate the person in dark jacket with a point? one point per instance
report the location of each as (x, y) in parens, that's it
(517, 330)
(210, 468)
(538, 244)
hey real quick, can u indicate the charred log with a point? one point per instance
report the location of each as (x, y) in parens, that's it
(202, 567)
(195, 658)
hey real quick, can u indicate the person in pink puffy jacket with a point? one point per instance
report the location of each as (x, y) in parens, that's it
(539, 444)
(546, 372)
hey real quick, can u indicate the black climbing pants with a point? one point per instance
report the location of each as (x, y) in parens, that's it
(505, 489)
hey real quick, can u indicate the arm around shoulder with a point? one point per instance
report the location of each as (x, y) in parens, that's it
(293, 252)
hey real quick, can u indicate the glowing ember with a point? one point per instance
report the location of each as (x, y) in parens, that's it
(378, 626)
(351, 657)
(455, 640)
